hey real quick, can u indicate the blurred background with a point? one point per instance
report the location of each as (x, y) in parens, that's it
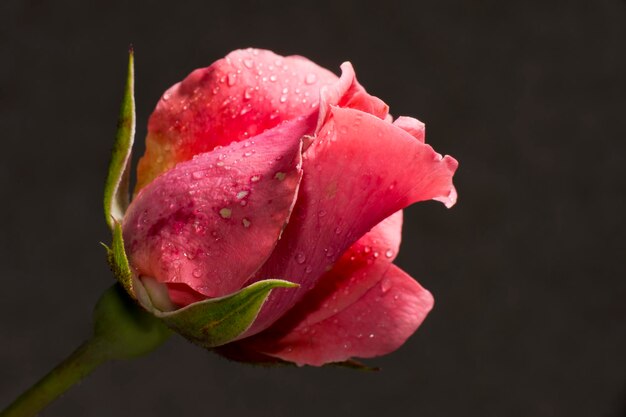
(527, 269)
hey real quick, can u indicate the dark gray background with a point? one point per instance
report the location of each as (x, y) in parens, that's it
(530, 316)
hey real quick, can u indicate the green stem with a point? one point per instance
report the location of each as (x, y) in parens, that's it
(75, 367)
(122, 330)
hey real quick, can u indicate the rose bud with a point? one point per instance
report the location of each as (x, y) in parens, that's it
(268, 212)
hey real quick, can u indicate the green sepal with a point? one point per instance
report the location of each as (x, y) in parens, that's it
(116, 256)
(217, 321)
(116, 195)
(122, 329)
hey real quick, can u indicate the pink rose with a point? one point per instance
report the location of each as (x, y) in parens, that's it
(261, 166)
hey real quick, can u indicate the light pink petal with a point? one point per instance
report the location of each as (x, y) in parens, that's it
(210, 222)
(347, 92)
(383, 240)
(234, 99)
(412, 126)
(381, 307)
(352, 180)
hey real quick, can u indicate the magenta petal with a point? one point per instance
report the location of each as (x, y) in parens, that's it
(382, 306)
(211, 222)
(383, 241)
(347, 92)
(234, 99)
(413, 126)
(352, 181)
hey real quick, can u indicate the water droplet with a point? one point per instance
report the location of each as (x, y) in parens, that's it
(248, 63)
(367, 249)
(231, 79)
(197, 175)
(280, 176)
(283, 99)
(385, 285)
(246, 154)
(338, 230)
(247, 94)
(308, 269)
(285, 90)
(220, 164)
(300, 257)
(329, 252)
(389, 253)
(242, 194)
(167, 95)
(321, 213)
(273, 78)
(255, 178)
(245, 110)
(197, 272)
(375, 254)
(225, 212)
(246, 222)
(310, 79)
(371, 335)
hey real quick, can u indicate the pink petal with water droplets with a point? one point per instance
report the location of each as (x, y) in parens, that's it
(359, 309)
(351, 181)
(347, 92)
(209, 223)
(234, 99)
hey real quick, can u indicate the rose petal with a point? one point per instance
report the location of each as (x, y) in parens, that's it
(413, 126)
(211, 222)
(351, 182)
(234, 99)
(347, 92)
(380, 244)
(380, 307)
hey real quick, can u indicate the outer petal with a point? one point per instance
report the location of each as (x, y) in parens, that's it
(234, 99)
(211, 222)
(347, 92)
(413, 126)
(359, 309)
(351, 182)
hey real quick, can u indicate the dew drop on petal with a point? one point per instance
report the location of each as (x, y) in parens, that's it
(310, 79)
(226, 213)
(389, 253)
(246, 222)
(231, 79)
(197, 272)
(300, 258)
(242, 194)
(248, 63)
(255, 178)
